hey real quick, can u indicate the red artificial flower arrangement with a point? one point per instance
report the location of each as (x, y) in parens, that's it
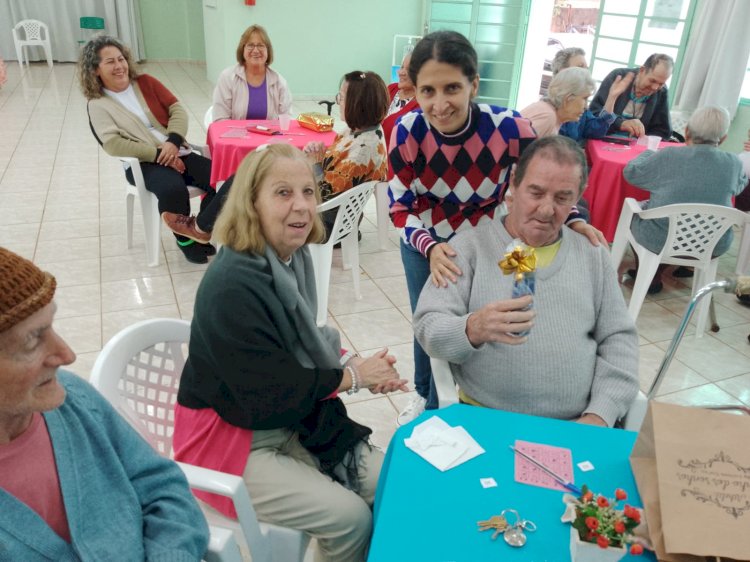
(598, 520)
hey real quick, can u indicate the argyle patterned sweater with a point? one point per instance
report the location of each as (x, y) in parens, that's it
(438, 185)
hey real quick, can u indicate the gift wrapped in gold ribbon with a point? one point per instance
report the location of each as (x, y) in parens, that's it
(519, 261)
(318, 122)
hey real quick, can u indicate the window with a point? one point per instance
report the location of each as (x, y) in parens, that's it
(628, 32)
(497, 29)
(745, 92)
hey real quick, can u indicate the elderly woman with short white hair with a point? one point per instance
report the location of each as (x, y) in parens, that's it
(566, 100)
(696, 173)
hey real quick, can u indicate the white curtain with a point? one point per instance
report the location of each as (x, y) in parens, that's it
(716, 57)
(121, 19)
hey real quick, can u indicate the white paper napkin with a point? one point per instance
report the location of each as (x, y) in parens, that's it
(441, 445)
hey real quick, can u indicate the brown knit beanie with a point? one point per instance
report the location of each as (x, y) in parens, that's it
(24, 289)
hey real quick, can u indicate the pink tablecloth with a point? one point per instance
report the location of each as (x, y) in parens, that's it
(228, 152)
(607, 189)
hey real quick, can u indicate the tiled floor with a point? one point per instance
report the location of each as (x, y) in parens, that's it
(61, 204)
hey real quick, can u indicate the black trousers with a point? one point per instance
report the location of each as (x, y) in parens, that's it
(208, 215)
(170, 186)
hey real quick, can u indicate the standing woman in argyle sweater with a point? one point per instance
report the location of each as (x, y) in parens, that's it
(450, 164)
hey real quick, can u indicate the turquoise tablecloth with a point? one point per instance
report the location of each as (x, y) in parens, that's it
(422, 514)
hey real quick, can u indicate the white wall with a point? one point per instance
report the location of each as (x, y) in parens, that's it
(533, 56)
(314, 42)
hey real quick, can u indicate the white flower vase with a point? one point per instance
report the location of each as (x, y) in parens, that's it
(582, 551)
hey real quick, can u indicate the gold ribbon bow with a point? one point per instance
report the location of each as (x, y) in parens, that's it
(519, 261)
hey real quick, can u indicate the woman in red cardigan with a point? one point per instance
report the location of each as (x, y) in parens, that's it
(402, 97)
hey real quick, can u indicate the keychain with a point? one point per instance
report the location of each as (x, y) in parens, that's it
(514, 535)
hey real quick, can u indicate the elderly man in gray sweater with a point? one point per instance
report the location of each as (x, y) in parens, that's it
(580, 359)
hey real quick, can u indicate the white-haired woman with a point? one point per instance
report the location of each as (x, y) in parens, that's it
(565, 101)
(696, 173)
(589, 125)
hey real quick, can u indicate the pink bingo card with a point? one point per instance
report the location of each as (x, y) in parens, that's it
(557, 459)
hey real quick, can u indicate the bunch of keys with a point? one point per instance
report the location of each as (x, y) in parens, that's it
(513, 533)
(497, 522)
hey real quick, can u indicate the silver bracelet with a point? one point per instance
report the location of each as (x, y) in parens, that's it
(355, 380)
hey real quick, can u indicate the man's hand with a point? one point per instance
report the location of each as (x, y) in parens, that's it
(591, 419)
(496, 321)
(633, 127)
(594, 235)
(442, 266)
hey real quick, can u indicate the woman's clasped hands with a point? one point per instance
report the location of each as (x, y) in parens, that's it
(377, 373)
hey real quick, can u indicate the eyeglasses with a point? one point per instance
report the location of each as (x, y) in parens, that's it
(339, 98)
(252, 46)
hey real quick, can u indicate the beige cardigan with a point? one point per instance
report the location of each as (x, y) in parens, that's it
(231, 97)
(123, 134)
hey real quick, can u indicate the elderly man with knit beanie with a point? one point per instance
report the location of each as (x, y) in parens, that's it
(76, 481)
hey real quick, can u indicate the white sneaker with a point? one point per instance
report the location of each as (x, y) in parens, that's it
(413, 409)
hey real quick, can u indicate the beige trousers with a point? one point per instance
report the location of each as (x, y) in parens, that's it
(287, 489)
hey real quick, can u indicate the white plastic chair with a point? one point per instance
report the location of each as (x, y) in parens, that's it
(743, 252)
(208, 118)
(382, 206)
(139, 371)
(634, 418)
(694, 231)
(447, 394)
(149, 210)
(35, 33)
(445, 384)
(221, 546)
(350, 205)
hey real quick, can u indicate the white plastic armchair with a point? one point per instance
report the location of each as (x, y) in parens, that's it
(35, 33)
(694, 231)
(743, 253)
(350, 205)
(208, 117)
(149, 209)
(138, 371)
(445, 384)
(382, 208)
(634, 418)
(447, 394)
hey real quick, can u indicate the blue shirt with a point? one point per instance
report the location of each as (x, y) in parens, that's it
(588, 126)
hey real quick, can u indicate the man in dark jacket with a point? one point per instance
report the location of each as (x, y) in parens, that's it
(643, 109)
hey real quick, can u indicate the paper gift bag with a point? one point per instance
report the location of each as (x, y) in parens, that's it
(692, 467)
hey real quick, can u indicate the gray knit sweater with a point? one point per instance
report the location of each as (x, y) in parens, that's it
(582, 353)
(688, 174)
